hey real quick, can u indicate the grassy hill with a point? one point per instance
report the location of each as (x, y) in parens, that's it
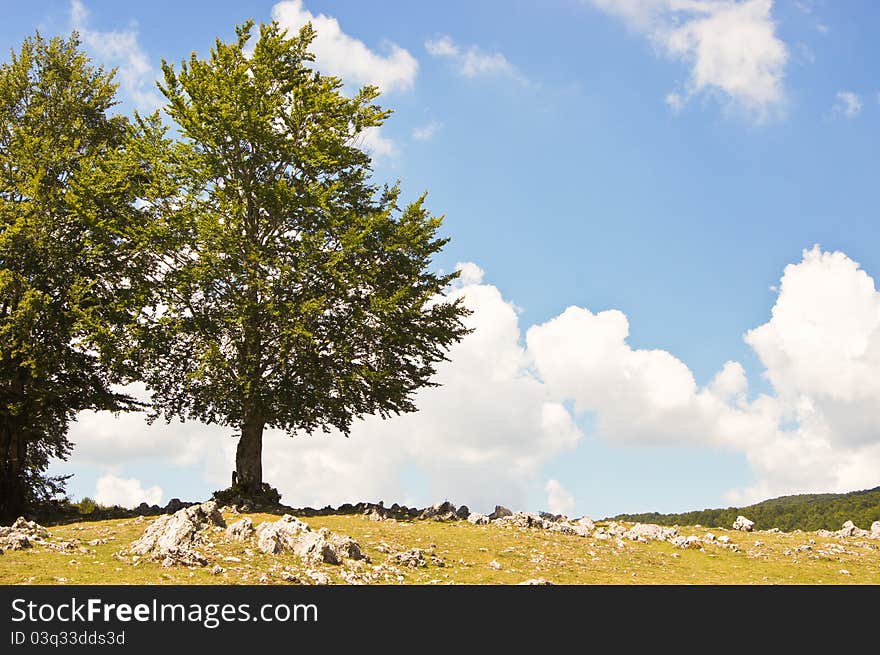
(460, 553)
(804, 512)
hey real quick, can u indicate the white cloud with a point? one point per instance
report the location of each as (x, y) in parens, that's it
(377, 144)
(426, 132)
(120, 49)
(848, 104)
(559, 500)
(485, 435)
(472, 61)
(125, 492)
(342, 55)
(731, 47)
(481, 438)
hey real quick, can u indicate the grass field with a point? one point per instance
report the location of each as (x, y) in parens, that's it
(466, 551)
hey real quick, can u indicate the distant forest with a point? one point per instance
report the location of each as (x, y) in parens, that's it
(804, 512)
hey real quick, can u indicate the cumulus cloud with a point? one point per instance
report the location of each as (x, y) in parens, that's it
(508, 405)
(340, 54)
(122, 50)
(848, 104)
(472, 61)
(480, 438)
(125, 492)
(731, 47)
(559, 500)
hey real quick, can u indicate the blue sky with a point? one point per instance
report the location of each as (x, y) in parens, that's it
(664, 158)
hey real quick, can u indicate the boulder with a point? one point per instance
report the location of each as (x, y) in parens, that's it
(477, 519)
(500, 512)
(743, 524)
(241, 530)
(290, 534)
(650, 532)
(536, 581)
(277, 536)
(444, 511)
(875, 530)
(174, 537)
(524, 520)
(849, 529)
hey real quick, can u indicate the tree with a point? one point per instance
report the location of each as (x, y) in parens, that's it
(291, 292)
(68, 182)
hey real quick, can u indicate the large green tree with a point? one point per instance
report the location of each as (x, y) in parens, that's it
(291, 292)
(68, 181)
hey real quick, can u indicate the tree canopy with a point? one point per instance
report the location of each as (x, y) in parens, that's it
(68, 184)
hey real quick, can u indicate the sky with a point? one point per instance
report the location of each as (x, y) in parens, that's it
(664, 214)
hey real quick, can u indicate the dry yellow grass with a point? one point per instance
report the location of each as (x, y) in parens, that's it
(466, 551)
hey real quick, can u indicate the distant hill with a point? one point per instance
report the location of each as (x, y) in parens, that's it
(805, 512)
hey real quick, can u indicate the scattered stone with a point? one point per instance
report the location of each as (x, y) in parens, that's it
(743, 524)
(241, 530)
(319, 577)
(413, 558)
(494, 564)
(217, 570)
(536, 582)
(22, 534)
(287, 576)
(844, 572)
(264, 579)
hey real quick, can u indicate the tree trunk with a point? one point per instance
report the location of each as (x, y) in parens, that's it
(12, 455)
(249, 455)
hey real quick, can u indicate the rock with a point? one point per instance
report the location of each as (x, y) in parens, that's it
(743, 524)
(724, 539)
(875, 530)
(319, 577)
(413, 558)
(217, 570)
(773, 531)
(444, 511)
(494, 564)
(22, 534)
(844, 572)
(278, 536)
(524, 520)
(500, 512)
(290, 534)
(586, 522)
(175, 536)
(375, 515)
(850, 529)
(650, 532)
(536, 581)
(463, 512)
(241, 530)
(477, 519)
(287, 576)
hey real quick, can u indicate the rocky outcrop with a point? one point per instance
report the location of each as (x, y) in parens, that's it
(500, 512)
(849, 529)
(645, 532)
(22, 534)
(241, 530)
(743, 524)
(174, 538)
(290, 534)
(875, 530)
(413, 558)
(444, 511)
(478, 519)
